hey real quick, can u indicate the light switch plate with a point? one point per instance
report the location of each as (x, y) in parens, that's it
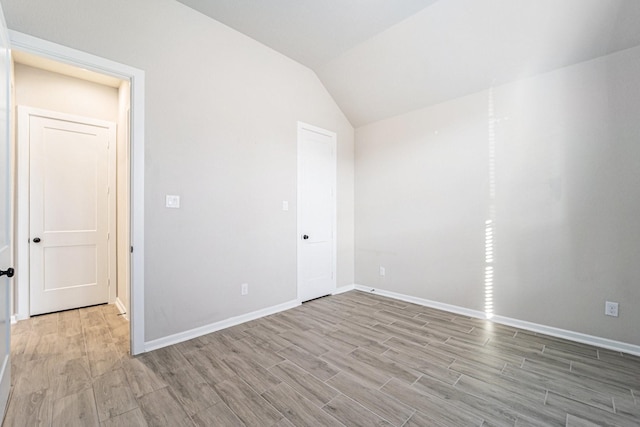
(172, 201)
(285, 205)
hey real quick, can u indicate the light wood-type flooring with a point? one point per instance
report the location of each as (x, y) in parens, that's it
(355, 359)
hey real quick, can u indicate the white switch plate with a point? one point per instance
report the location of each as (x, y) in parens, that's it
(285, 205)
(383, 271)
(172, 201)
(244, 289)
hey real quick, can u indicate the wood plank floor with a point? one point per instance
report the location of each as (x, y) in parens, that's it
(355, 359)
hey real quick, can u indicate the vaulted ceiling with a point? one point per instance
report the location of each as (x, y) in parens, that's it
(381, 58)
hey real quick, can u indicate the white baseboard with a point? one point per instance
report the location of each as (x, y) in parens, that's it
(343, 289)
(522, 324)
(121, 308)
(18, 317)
(570, 335)
(421, 301)
(213, 327)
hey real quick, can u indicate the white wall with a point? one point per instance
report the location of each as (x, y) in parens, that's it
(221, 114)
(567, 199)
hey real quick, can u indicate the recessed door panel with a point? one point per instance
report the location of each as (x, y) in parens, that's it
(70, 267)
(71, 167)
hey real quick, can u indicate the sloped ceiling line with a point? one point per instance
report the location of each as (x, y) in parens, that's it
(381, 58)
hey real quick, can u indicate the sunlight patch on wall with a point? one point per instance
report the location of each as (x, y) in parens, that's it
(488, 270)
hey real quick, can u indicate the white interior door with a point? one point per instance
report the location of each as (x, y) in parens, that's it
(316, 212)
(69, 187)
(5, 221)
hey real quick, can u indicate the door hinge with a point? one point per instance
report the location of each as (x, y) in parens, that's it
(131, 249)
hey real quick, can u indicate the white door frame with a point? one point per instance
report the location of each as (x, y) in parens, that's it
(7, 165)
(56, 52)
(304, 126)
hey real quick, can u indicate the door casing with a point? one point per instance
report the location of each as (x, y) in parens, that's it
(136, 77)
(6, 217)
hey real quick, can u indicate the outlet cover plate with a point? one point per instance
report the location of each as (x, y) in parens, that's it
(172, 201)
(611, 308)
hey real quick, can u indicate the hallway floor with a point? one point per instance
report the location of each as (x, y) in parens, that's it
(62, 362)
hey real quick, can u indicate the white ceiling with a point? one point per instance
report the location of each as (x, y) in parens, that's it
(310, 31)
(381, 58)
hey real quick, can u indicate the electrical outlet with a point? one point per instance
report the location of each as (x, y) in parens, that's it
(382, 271)
(244, 288)
(611, 308)
(172, 201)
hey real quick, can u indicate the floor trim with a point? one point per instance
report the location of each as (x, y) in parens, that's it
(343, 289)
(213, 327)
(18, 317)
(522, 324)
(121, 308)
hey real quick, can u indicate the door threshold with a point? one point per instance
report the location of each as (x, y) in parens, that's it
(317, 298)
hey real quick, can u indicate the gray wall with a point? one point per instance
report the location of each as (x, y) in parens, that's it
(566, 211)
(221, 113)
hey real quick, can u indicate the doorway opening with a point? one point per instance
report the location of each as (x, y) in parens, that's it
(39, 62)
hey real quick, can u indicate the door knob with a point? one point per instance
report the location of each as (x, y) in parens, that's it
(36, 240)
(8, 272)
(305, 237)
